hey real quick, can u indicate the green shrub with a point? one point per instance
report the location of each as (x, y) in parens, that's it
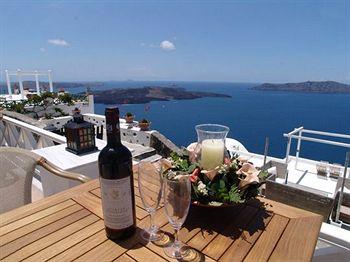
(66, 98)
(48, 95)
(48, 116)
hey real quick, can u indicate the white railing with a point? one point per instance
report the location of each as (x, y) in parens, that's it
(129, 133)
(15, 133)
(297, 134)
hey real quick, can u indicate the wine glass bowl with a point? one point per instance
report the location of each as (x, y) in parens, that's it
(177, 199)
(150, 188)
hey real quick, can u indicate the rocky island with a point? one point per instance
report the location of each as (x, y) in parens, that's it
(309, 86)
(148, 94)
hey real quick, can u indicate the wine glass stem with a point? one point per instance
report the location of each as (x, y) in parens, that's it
(177, 242)
(151, 215)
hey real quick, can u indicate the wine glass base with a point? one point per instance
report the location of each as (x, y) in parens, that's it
(158, 238)
(184, 253)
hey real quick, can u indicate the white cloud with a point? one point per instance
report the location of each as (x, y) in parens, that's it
(167, 45)
(42, 49)
(142, 44)
(58, 42)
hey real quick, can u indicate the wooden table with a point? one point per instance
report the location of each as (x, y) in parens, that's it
(69, 226)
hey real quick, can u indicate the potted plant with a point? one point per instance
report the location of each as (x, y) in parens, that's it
(129, 118)
(144, 124)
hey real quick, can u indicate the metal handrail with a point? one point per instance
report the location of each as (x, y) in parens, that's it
(323, 141)
(300, 130)
(36, 130)
(340, 200)
(326, 133)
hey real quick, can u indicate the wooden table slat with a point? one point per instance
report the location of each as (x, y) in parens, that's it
(36, 216)
(65, 243)
(81, 248)
(20, 232)
(280, 208)
(294, 244)
(45, 203)
(268, 239)
(124, 258)
(241, 246)
(142, 253)
(222, 241)
(42, 232)
(90, 202)
(48, 240)
(108, 250)
(209, 229)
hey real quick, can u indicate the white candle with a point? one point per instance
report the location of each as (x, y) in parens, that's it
(212, 153)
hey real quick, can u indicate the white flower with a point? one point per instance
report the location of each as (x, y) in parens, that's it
(202, 188)
(223, 169)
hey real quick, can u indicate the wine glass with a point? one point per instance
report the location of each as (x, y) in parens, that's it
(150, 185)
(177, 198)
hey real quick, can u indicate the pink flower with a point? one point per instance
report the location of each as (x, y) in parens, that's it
(193, 152)
(227, 161)
(194, 175)
(250, 174)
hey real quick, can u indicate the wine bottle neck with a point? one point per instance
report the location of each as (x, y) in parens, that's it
(113, 133)
(112, 126)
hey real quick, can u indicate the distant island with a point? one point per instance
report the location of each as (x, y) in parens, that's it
(148, 94)
(309, 86)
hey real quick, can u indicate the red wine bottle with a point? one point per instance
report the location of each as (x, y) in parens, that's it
(117, 183)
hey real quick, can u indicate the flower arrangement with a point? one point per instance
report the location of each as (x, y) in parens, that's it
(235, 181)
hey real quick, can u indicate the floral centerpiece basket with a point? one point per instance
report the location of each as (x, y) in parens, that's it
(218, 177)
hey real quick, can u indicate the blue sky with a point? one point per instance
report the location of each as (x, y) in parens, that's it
(238, 41)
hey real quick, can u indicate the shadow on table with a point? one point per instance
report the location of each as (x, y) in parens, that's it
(136, 242)
(229, 221)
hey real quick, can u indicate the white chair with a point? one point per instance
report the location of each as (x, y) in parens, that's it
(17, 168)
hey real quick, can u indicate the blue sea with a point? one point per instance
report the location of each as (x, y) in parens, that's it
(251, 116)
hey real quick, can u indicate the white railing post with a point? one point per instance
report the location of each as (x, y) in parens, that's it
(266, 150)
(298, 149)
(340, 200)
(8, 83)
(91, 104)
(287, 157)
(50, 80)
(21, 90)
(37, 82)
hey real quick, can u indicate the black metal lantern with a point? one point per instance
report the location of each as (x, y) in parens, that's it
(80, 135)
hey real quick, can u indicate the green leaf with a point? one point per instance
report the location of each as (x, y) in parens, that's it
(234, 195)
(222, 183)
(263, 175)
(191, 168)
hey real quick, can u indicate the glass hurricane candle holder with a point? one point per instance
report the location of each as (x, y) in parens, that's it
(210, 147)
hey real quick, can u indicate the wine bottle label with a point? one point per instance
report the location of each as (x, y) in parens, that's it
(117, 202)
(111, 127)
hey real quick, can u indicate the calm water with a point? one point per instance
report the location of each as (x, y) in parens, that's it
(251, 116)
